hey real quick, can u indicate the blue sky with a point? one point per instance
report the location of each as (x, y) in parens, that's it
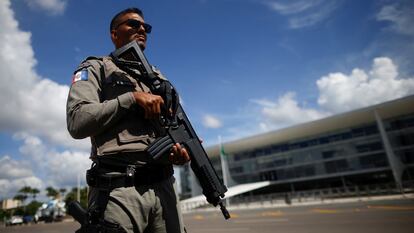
(242, 67)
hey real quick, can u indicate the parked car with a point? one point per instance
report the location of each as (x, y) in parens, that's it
(14, 220)
(28, 219)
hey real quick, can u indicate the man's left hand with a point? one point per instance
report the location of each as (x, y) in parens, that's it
(179, 155)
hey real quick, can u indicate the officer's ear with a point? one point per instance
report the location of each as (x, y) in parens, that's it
(114, 35)
(115, 38)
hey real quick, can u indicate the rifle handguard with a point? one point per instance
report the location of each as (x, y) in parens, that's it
(159, 147)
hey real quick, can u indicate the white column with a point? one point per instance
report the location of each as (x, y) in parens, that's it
(224, 169)
(396, 165)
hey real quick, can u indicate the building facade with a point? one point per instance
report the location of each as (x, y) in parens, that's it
(10, 204)
(373, 145)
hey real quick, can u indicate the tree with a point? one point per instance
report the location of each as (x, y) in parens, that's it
(20, 197)
(34, 193)
(72, 196)
(4, 214)
(51, 192)
(25, 190)
(32, 207)
(62, 192)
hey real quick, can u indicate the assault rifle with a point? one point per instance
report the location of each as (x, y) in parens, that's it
(80, 215)
(178, 128)
(89, 222)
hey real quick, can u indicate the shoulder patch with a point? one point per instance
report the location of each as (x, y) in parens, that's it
(81, 75)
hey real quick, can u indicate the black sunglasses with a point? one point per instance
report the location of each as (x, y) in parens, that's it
(136, 24)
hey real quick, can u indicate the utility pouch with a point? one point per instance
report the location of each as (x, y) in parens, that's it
(92, 177)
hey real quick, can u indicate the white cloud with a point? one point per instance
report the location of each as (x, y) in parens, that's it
(29, 102)
(210, 121)
(292, 7)
(61, 168)
(401, 15)
(12, 169)
(41, 166)
(302, 13)
(16, 174)
(339, 92)
(54, 7)
(33, 111)
(31, 181)
(9, 188)
(285, 111)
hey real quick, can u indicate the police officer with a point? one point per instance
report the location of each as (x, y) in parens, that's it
(129, 192)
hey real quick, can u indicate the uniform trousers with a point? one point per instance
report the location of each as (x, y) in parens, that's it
(144, 208)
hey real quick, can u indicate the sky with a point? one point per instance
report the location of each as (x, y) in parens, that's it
(242, 67)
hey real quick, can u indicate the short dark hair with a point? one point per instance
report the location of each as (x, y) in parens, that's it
(114, 21)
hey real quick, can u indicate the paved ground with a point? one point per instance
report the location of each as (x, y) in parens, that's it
(396, 216)
(379, 216)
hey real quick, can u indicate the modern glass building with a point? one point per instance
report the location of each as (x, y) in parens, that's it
(373, 145)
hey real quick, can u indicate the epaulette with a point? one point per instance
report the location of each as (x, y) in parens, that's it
(89, 61)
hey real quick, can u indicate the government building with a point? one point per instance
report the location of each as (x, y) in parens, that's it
(372, 145)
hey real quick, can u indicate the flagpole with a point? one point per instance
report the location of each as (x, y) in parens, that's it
(78, 190)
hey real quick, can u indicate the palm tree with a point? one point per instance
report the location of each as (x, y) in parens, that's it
(34, 192)
(51, 192)
(62, 192)
(20, 197)
(25, 190)
(24, 193)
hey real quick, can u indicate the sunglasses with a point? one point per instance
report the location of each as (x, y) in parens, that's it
(136, 24)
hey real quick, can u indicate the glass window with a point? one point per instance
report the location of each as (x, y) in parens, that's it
(372, 146)
(401, 123)
(406, 139)
(304, 171)
(328, 154)
(373, 160)
(357, 132)
(371, 130)
(340, 165)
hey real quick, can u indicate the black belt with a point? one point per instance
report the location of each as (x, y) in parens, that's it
(129, 175)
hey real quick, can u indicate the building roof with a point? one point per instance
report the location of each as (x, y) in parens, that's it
(200, 200)
(337, 122)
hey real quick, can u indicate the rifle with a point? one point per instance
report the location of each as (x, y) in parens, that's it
(79, 214)
(131, 59)
(89, 222)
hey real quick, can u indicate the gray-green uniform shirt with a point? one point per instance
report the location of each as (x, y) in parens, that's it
(101, 106)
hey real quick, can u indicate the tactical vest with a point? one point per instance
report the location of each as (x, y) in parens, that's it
(132, 132)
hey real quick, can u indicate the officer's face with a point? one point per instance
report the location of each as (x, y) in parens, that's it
(124, 33)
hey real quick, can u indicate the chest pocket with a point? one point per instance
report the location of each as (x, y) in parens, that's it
(117, 84)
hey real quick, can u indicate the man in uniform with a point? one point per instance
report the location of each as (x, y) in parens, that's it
(129, 192)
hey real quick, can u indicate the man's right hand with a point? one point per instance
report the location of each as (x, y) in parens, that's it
(150, 103)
